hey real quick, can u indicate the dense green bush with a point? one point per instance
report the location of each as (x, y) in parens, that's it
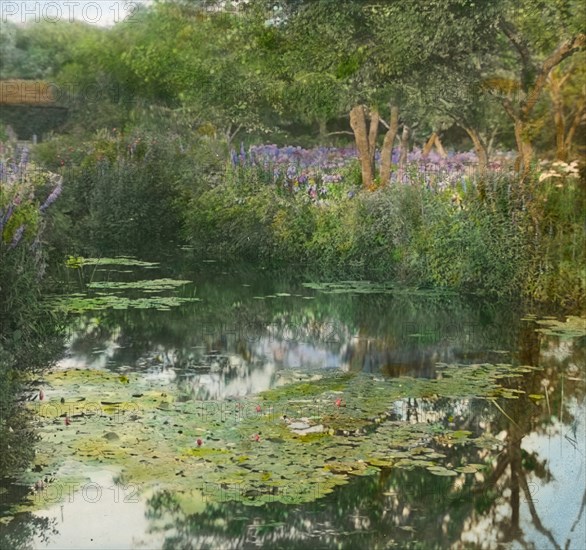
(31, 338)
(473, 249)
(230, 221)
(485, 243)
(128, 193)
(558, 235)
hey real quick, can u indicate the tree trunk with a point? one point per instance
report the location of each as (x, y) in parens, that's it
(560, 133)
(323, 129)
(522, 114)
(480, 148)
(434, 140)
(387, 150)
(578, 119)
(358, 124)
(404, 149)
(555, 93)
(440, 148)
(524, 148)
(564, 135)
(429, 145)
(372, 135)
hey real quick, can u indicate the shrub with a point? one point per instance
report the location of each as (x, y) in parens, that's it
(30, 336)
(129, 193)
(231, 221)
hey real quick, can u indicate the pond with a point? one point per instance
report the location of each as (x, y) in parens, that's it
(199, 406)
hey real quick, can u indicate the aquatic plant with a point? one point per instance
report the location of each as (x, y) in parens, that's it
(108, 294)
(312, 431)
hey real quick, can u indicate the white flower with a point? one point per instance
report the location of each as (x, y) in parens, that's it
(549, 174)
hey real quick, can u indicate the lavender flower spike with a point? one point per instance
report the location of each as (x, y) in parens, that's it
(53, 196)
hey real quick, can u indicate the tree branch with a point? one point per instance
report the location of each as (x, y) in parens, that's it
(564, 50)
(235, 132)
(508, 106)
(578, 119)
(520, 45)
(536, 521)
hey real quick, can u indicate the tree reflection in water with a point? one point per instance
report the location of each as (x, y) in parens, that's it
(396, 508)
(412, 509)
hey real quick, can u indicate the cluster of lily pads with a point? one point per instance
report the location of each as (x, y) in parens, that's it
(368, 287)
(294, 443)
(109, 294)
(572, 327)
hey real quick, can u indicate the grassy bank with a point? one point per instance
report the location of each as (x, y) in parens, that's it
(487, 243)
(30, 335)
(483, 234)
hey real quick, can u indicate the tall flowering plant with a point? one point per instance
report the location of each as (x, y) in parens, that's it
(315, 172)
(322, 172)
(30, 334)
(26, 192)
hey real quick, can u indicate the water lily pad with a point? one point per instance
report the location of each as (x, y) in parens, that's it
(159, 439)
(119, 260)
(147, 285)
(81, 305)
(573, 327)
(441, 471)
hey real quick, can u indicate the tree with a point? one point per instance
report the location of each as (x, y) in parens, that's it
(540, 35)
(40, 50)
(201, 60)
(566, 86)
(372, 49)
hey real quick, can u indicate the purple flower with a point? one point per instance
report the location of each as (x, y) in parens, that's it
(52, 197)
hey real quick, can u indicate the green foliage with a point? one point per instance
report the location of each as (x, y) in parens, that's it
(475, 249)
(293, 225)
(40, 50)
(331, 247)
(232, 221)
(127, 193)
(30, 338)
(473, 242)
(559, 242)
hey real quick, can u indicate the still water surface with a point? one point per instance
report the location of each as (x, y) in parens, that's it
(248, 331)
